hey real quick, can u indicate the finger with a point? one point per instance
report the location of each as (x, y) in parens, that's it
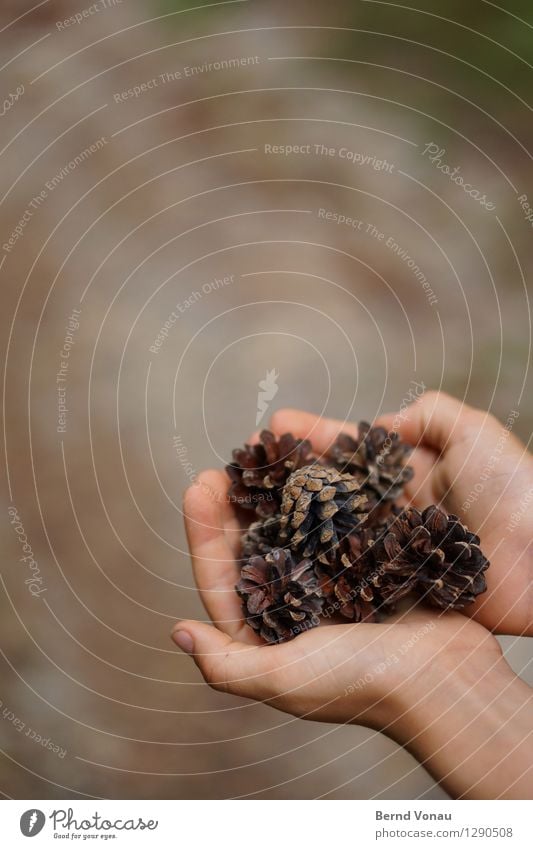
(229, 665)
(437, 420)
(321, 432)
(212, 510)
(213, 534)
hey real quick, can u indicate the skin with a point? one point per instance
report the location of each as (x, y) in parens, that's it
(436, 683)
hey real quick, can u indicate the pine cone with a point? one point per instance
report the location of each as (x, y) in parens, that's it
(319, 507)
(377, 459)
(346, 593)
(388, 577)
(281, 596)
(259, 472)
(330, 539)
(432, 553)
(261, 537)
(352, 583)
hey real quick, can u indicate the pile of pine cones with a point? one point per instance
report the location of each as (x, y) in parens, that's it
(329, 539)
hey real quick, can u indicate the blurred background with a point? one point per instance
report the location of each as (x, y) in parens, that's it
(191, 198)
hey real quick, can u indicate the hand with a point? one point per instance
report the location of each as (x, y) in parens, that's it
(397, 676)
(473, 465)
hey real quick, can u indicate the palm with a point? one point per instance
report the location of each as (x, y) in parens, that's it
(392, 676)
(334, 659)
(452, 449)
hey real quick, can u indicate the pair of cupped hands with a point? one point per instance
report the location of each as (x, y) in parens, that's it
(315, 675)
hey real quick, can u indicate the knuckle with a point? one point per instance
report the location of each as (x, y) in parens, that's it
(475, 422)
(433, 397)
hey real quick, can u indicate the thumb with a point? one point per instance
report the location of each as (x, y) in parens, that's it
(229, 665)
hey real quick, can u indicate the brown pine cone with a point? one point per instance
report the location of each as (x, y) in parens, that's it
(259, 472)
(351, 584)
(377, 459)
(261, 537)
(320, 506)
(434, 554)
(389, 577)
(347, 594)
(281, 596)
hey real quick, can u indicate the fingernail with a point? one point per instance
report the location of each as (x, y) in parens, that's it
(184, 640)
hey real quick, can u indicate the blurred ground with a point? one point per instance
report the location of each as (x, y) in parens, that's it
(178, 193)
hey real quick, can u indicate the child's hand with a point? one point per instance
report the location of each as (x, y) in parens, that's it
(475, 467)
(424, 677)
